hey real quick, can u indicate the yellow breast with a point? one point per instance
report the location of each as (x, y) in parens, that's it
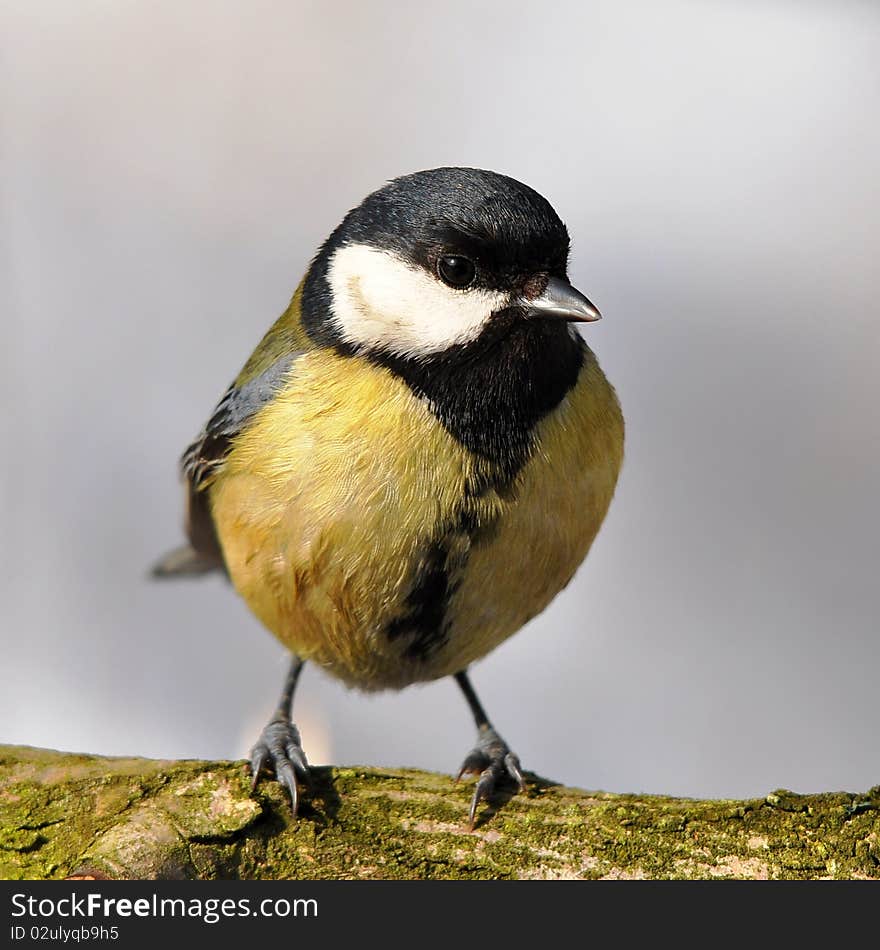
(362, 534)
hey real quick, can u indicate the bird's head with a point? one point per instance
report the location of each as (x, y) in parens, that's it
(440, 259)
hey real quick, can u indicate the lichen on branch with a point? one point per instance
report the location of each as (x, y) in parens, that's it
(63, 815)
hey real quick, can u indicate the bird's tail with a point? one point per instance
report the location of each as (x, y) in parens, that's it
(185, 561)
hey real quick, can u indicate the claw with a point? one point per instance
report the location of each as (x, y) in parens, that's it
(483, 791)
(475, 762)
(514, 770)
(287, 777)
(259, 757)
(298, 760)
(492, 760)
(279, 746)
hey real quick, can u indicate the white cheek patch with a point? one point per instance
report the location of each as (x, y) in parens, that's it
(382, 302)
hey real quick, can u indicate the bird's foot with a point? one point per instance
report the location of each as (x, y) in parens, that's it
(493, 761)
(279, 748)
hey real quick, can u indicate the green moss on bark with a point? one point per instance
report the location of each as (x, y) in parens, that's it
(64, 814)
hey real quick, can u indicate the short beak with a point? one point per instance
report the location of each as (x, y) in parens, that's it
(561, 301)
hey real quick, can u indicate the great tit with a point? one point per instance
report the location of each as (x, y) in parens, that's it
(418, 454)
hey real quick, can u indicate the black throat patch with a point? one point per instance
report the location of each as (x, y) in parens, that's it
(491, 393)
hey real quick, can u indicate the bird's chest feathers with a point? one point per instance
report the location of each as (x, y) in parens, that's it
(363, 533)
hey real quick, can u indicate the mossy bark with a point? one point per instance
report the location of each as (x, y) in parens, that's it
(63, 815)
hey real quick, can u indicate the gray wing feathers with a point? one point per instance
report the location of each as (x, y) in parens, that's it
(238, 405)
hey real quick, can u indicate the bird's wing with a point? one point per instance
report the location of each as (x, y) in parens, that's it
(239, 404)
(206, 455)
(260, 379)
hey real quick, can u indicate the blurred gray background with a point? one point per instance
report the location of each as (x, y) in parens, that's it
(167, 171)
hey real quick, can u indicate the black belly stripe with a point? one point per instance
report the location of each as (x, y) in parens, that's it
(423, 621)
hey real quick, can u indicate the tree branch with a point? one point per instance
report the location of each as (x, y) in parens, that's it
(63, 815)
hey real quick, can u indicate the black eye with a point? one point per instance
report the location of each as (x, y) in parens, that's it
(456, 271)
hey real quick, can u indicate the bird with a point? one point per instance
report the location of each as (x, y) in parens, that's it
(417, 456)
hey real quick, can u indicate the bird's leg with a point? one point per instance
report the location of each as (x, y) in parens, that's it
(490, 758)
(279, 746)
